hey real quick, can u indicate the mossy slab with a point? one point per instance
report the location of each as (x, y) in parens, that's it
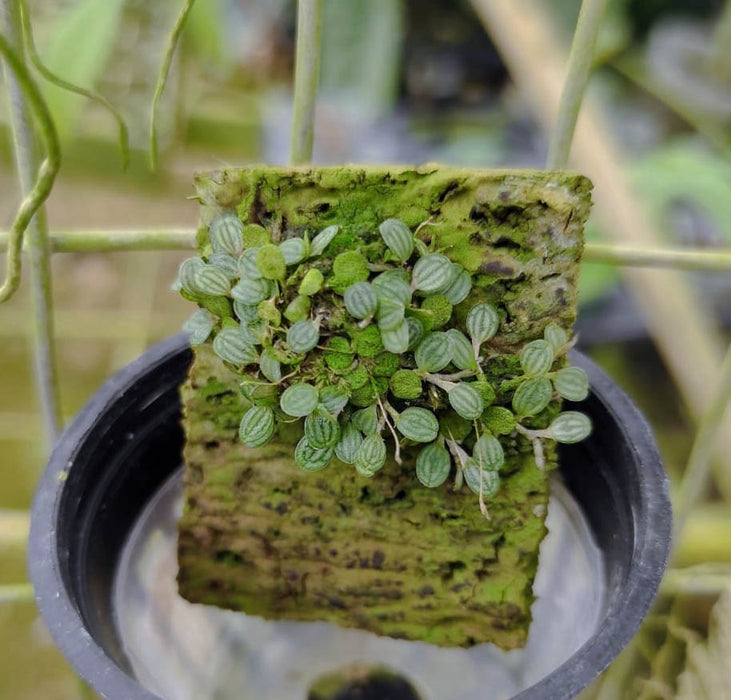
(383, 554)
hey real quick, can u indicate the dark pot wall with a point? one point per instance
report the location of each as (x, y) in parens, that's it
(127, 440)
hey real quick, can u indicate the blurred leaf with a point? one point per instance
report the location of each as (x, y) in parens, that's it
(79, 52)
(204, 32)
(707, 675)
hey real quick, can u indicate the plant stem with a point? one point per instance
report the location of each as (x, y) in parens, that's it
(704, 579)
(697, 472)
(306, 76)
(35, 184)
(577, 76)
(677, 258)
(162, 77)
(16, 593)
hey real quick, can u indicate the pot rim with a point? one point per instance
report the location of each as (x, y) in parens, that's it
(652, 532)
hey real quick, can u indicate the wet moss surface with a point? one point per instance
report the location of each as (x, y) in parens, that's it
(383, 554)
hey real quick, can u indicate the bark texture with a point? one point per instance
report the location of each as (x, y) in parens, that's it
(383, 554)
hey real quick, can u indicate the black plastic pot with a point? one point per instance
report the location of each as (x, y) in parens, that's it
(127, 440)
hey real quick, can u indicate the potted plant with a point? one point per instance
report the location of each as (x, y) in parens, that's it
(275, 533)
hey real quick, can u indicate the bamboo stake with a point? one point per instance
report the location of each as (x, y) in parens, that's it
(522, 32)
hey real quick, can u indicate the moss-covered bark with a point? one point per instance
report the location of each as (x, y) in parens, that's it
(383, 554)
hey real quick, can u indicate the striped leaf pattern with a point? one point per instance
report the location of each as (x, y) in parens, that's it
(257, 426)
(433, 465)
(231, 347)
(225, 233)
(466, 402)
(361, 300)
(532, 396)
(432, 273)
(299, 400)
(418, 424)
(398, 238)
(536, 358)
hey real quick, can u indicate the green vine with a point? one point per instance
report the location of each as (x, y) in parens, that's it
(46, 172)
(379, 344)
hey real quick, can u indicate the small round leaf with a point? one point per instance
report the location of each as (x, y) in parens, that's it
(247, 264)
(418, 424)
(488, 452)
(490, 479)
(466, 401)
(225, 233)
(371, 455)
(199, 327)
(569, 427)
(536, 358)
(231, 347)
(227, 264)
(311, 459)
(294, 250)
(321, 429)
(397, 340)
(361, 300)
(482, 323)
(459, 289)
(366, 420)
(211, 280)
(334, 399)
(433, 465)
(270, 262)
(572, 383)
(303, 336)
(311, 283)
(257, 426)
(532, 396)
(246, 313)
(322, 240)
(432, 273)
(434, 352)
(463, 355)
(416, 331)
(398, 238)
(350, 441)
(186, 275)
(250, 291)
(390, 315)
(556, 336)
(393, 285)
(270, 366)
(299, 400)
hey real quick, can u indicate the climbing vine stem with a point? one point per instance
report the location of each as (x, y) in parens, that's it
(36, 183)
(306, 77)
(577, 76)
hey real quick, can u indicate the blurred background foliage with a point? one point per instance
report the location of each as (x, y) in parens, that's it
(402, 81)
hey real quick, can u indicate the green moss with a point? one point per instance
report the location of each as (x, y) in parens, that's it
(357, 377)
(406, 384)
(339, 355)
(385, 364)
(270, 262)
(440, 309)
(367, 341)
(369, 392)
(255, 236)
(348, 268)
(500, 420)
(269, 312)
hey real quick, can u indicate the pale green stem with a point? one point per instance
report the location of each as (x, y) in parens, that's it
(695, 477)
(16, 593)
(704, 580)
(306, 77)
(720, 53)
(677, 258)
(163, 77)
(35, 184)
(577, 76)
(49, 75)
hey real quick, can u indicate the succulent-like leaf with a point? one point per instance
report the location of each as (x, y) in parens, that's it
(302, 336)
(488, 452)
(572, 383)
(249, 334)
(433, 465)
(258, 392)
(247, 264)
(350, 441)
(556, 336)
(371, 455)
(250, 291)
(434, 352)
(230, 346)
(490, 479)
(536, 358)
(257, 426)
(392, 284)
(227, 264)
(270, 262)
(311, 459)
(366, 420)
(321, 429)
(298, 309)
(397, 340)
(211, 280)
(416, 331)
(186, 275)
(322, 240)
(569, 427)
(225, 233)
(294, 250)
(270, 366)
(482, 323)
(390, 314)
(461, 286)
(398, 238)
(299, 400)
(466, 401)
(432, 273)
(311, 283)
(532, 396)
(418, 424)
(334, 399)
(361, 300)
(246, 313)
(463, 355)
(199, 327)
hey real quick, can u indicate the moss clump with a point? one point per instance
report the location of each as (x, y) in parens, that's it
(367, 341)
(339, 355)
(385, 364)
(499, 420)
(440, 309)
(406, 384)
(298, 309)
(349, 268)
(357, 378)
(255, 236)
(270, 261)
